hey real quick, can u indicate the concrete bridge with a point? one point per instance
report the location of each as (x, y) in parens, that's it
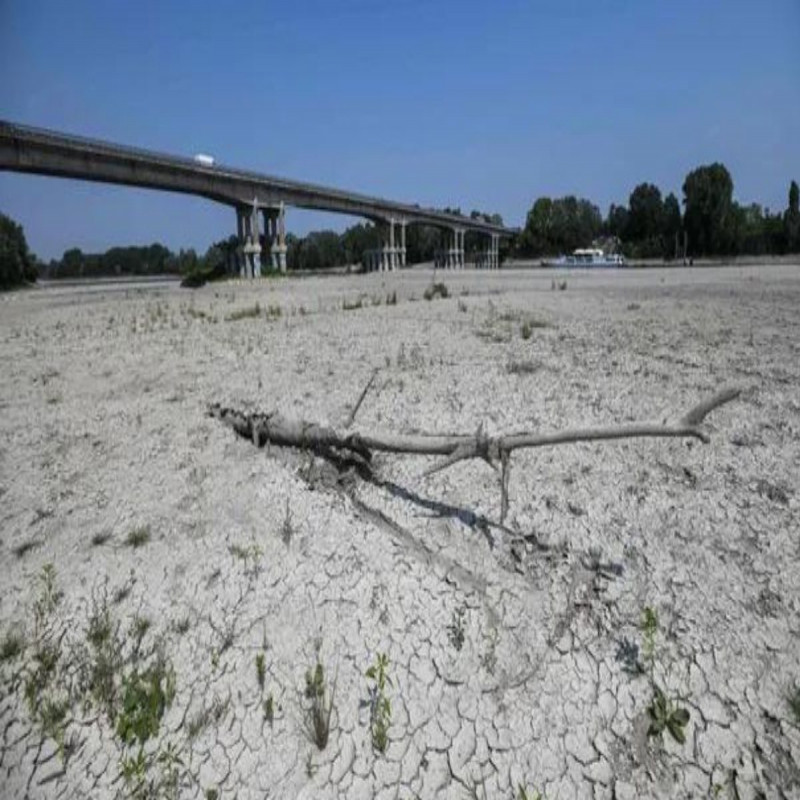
(254, 197)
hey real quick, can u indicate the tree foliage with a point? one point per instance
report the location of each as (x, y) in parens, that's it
(17, 265)
(560, 225)
(708, 210)
(792, 220)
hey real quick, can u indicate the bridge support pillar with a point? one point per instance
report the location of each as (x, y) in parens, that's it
(402, 250)
(455, 252)
(491, 258)
(249, 250)
(275, 236)
(389, 253)
(240, 236)
(253, 246)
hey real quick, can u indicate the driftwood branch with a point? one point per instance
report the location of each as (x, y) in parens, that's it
(276, 429)
(352, 415)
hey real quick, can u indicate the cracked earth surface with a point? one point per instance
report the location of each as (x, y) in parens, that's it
(506, 647)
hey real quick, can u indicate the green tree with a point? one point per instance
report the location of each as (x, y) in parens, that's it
(791, 220)
(617, 221)
(16, 262)
(708, 209)
(671, 225)
(645, 215)
(558, 226)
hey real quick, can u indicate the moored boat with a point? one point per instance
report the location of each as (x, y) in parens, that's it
(587, 257)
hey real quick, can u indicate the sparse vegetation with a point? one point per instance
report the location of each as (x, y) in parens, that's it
(249, 555)
(379, 704)
(138, 537)
(105, 660)
(522, 367)
(12, 646)
(489, 657)
(524, 794)
(100, 538)
(319, 705)
(287, 527)
(182, 625)
(391, 299)
(260, 670)
(52, 720)
(248, 312)
(146, 696)
(455, 630)
(353, 305)
(436, 290)
(526, 331)
(269, 708)
(25, 547)
(205, 717)
(49, 597)
(794, 703)
(664, 713)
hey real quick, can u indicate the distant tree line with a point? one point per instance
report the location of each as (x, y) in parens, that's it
(712, 222)
(154, 259)
(325, 249)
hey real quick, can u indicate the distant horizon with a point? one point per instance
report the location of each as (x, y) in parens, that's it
(459, 105)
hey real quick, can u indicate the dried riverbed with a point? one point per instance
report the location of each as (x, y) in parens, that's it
(198, 572)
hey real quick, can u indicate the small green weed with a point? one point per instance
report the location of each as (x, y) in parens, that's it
(145, 697)
(436, 290)
(138, 537)
(100, 538)
(249, 312)
(260, 670)
(455, 630)
(320, 705)
(287, 527)
(649, 626)
(794, 703)
(134, 773)
(52, 719)
(249, 555)
(106, 660)
(49, 597)
(12, 646)
(379, 703)
(665, 714)
(182, 625)
(269, 708)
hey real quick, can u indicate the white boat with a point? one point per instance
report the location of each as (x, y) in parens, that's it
(587, 257)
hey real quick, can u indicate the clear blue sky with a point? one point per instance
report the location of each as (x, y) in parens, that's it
(479, 104)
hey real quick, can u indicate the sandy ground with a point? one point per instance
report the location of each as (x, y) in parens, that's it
(515, 656)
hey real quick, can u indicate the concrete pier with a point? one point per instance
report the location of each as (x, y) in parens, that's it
(275, 236)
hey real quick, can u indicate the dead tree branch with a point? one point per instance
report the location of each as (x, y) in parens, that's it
(276, 429)
(352, 415)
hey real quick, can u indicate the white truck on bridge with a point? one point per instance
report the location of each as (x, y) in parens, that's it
(204, 160)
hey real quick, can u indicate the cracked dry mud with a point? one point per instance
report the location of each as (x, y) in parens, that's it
(506, 649)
